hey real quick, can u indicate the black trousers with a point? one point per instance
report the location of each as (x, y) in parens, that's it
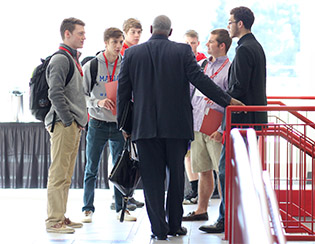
(156, 157)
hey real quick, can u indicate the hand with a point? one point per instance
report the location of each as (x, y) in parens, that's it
(125, 135)
(236, 102)
(217, 136)
(80, 127)
(107, 104)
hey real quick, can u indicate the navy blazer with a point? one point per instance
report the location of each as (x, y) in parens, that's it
(247, 79)
(156, 75)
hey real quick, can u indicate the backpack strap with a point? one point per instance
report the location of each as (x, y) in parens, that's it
(93, 72)
(71, 68)
(203, 65)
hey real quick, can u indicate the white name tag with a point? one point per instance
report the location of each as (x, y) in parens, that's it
(199, 94)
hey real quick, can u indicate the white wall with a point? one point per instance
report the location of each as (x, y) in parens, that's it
(30, 31)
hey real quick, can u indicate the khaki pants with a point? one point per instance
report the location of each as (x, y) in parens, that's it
(64, 149)
(205, 153)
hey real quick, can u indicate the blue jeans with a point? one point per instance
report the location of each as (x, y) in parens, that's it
(222, 183)
(99, 132)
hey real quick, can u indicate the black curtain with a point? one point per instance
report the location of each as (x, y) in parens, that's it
(25, 157)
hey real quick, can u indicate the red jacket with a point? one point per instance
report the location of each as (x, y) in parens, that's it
(125, 46)
(200, 56)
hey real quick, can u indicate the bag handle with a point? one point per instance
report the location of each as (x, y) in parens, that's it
(129, 145)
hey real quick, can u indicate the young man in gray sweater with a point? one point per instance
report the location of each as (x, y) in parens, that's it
(69, 109)
(102, 126)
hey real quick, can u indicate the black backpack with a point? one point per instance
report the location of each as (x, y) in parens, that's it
(202, 67)
(93, 71)
(93, 67)
(39, 103)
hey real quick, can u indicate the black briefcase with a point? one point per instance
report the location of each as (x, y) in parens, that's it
(125, 174)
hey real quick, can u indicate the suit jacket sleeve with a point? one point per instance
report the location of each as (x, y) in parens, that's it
(240, 82)
(203, 83)
(124, 89)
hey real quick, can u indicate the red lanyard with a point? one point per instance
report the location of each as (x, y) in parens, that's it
(77, 64)
(219, 70)
(111, 78)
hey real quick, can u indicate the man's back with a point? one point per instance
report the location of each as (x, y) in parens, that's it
(160, 88)
(159, 72)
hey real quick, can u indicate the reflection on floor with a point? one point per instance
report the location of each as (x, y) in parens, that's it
(24, 211)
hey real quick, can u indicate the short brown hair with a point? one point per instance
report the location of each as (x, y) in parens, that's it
(245, 15)
(69, 24)
(131, 23)
(223, 37)
(192, 33)
(112, 32)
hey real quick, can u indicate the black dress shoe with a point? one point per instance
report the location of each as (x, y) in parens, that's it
(161, 237)
(195, 217)
(218, 227)
(180, 232)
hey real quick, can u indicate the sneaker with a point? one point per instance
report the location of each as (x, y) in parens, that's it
(112, 206)
(130, 207)
(60, 228)
(87, 216)
(191, 198)
(71, 224)
(137, 203)
(127, 216)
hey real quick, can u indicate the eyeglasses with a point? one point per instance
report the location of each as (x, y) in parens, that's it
(231, 22)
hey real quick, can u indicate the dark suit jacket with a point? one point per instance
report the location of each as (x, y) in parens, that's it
(157, 74)
(247, 79)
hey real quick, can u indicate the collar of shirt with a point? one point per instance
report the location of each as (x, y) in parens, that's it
(76, 54)
(245, 37)
(158, 36)
(125, 46)
(216, 64)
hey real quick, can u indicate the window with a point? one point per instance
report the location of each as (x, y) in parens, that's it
(281, 28)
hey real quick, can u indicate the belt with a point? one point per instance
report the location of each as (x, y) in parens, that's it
(102, 121)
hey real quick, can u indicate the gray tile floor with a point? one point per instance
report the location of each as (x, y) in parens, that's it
(24, 211)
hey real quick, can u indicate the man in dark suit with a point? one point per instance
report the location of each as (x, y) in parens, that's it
(156, 75)
(247, 82)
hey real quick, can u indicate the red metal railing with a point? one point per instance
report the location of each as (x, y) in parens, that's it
(287, 153)
(253, 202)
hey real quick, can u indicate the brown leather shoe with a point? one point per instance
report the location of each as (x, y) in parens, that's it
(195, 217)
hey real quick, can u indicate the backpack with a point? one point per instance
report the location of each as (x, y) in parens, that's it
(39, 103)
(202, 67)
(93, 67)
(93, 71)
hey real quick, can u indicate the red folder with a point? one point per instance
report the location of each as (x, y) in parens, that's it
(111, 92)
(211, 122)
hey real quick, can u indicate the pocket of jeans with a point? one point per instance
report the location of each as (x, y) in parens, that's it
(95, 123)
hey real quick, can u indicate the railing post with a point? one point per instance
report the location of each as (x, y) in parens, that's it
(228, 213)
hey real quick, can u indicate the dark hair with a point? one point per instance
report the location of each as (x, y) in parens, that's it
(223, 37)
(131, 23)
(69, 24)
(245, 15)
(112, 32)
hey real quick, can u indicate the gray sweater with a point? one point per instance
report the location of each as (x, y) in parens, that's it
(99, 92)
(67, 100)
